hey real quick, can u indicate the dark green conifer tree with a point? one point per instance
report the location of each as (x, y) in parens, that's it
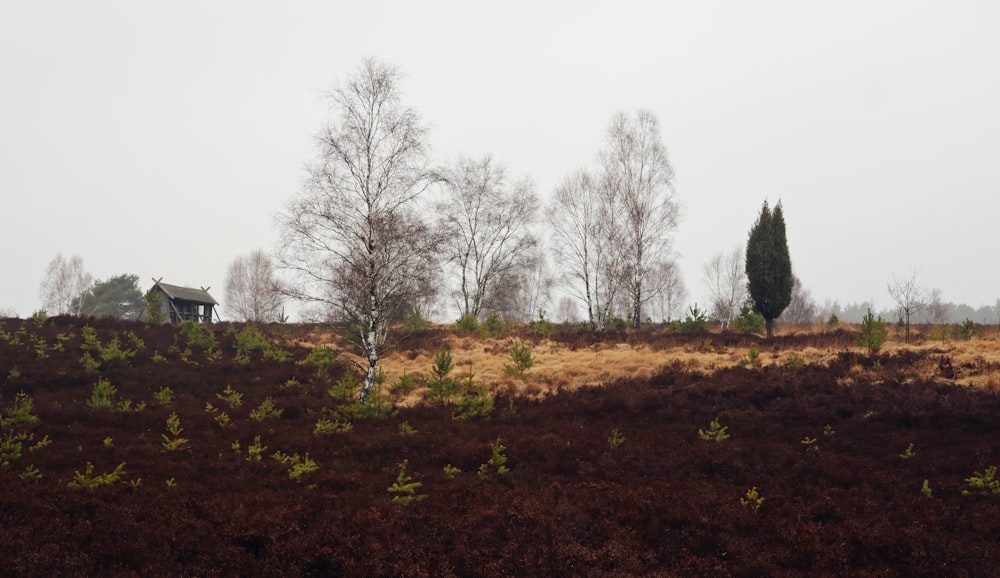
(769, 268)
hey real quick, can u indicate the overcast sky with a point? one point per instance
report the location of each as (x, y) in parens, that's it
(162, 138)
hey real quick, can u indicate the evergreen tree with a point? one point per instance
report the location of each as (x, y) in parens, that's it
(769, 268)
(118, 297)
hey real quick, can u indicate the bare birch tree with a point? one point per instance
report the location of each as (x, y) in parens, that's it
(65, 285)
(909, 296)
(486, 220)
(638, 186)
(726, 277)
(352, 236)
(524, 291)
(802, 308)
(252, 290)
(937, 310)
(583, 244)
(670, 290)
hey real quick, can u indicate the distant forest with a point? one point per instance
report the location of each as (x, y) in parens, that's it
(935, 312)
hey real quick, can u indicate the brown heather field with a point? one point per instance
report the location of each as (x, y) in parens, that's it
(608, 473)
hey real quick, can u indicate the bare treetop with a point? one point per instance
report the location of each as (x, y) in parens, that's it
(638, 181)
(485, 217)
(909, 296)
(353, 237)
(375, 148)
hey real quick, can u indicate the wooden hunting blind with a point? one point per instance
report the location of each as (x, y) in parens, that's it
(180, 304)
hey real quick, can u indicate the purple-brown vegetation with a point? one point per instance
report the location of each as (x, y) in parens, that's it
(663, 502)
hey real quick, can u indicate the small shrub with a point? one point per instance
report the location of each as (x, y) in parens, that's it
(197, 335)
(926, 489)
(440, 385)
(266, 410)
(748, 321)
(967, 330)
(833, 321)
(405, 429)
(752, 359)
(794, 361)
(345, 388)
(416, 322)
(451, 471)
(497, 462)
(326, 426)
(983, 483)
(30, 473)
(377, 407)
(810, 444)
(715, 432)
(828, 430)
(298, 465)
(404, 384)
(89, 481)
(404, 488)
(11, 447)
(616, 439)
(543, 326)
(495, 326)
(694, 322)
(521, 360)
(41, 348)
(475, 401)
(248, 340)
(90, 365)
(223, 421)
(941, 333)
(255, 451)
(39, 317)
(231, 396)
(752, 500)
(175, 443)
(466, 324)
(19, 413)
(164, 397)
(320, 359)
(103, 395)
(112, 352)
(908, 453)
(873, 333)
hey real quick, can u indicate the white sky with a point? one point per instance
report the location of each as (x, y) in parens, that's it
(162, 141)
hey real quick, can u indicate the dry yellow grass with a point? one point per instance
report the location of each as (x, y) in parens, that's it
(558, 367)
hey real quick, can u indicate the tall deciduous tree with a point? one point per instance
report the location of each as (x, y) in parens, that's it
(252, 290)
(119, 297)
(726, 277)
(769, 267)
(353, 237)
(486, 218)
(583, 238)
(638, 184)
(671, 292)
(65, 285)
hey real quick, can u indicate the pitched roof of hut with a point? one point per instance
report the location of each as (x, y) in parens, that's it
(177, 292)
